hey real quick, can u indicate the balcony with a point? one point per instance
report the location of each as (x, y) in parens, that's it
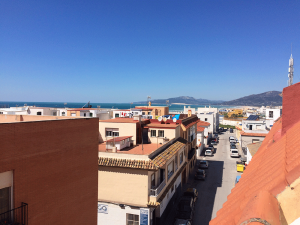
(16, 216)
(157, 190)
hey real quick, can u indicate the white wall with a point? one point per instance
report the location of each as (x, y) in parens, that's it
(164, 203)
(249, 156)
(116, 215)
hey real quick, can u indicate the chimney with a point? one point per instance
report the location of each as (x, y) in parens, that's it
(290, 106)
(189, 113)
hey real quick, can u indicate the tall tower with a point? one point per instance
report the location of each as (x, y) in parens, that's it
(291, 71)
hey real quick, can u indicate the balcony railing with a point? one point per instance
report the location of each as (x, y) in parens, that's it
(170, 174)
(16, 216)
(157, 190)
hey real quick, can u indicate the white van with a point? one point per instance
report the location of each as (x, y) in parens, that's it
(232, 139)
(234, 153)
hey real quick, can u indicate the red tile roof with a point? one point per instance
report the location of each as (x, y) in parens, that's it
(254, 134)
(203, 123)
(275, 165)
(116, 139)
(158, 125)
(120, 120)
(200, 129)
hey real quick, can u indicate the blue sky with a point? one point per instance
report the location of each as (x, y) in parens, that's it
(123, 51)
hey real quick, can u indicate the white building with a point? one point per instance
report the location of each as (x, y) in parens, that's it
(272, 115)
(210, 115)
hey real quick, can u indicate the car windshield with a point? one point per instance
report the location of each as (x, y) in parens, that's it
(201, 172)
(234, 151)
(203, 163)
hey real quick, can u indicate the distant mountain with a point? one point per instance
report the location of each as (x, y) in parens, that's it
(264, 99)
(185, 100)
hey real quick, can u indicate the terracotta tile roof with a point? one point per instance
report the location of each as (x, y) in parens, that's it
(157, 125)
(190, 120)
(128, 163)
(254, 134)
(203, 123)
(118, 139)
(275, 165)
(157, 162)
(163, 157)
(120, 120)
(200, 129)
(253, 147)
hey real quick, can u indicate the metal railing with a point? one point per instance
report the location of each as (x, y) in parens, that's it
(16, 216)
(157, 190)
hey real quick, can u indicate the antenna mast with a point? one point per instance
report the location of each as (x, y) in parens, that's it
(291, 69)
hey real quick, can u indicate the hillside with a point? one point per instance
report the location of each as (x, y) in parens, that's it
(263, 99)
(185, 100)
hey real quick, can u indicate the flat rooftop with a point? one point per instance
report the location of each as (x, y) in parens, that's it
(136, 150)
(121, 120)
(4, 118)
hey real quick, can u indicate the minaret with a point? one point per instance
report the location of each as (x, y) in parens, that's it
(291, 71)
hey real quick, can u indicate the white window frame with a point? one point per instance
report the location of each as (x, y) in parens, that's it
(159, 133)
(154, 131)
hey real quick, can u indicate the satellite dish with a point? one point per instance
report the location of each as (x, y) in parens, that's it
(159, 118)
(174, 120)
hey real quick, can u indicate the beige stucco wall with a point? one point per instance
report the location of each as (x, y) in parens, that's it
(70, 112)
(123, 185)
(125, 129)
(169, 133)
(289, 201)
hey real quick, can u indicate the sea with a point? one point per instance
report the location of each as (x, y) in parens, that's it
(172, 107)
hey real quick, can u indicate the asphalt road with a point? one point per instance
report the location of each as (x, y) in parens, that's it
(220, 180)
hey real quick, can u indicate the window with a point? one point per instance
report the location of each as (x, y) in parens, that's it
(109, 132)
(5, 200)
(54, 113)
(170, 169)
(143, 113)
(84, 114)
(258, 127)
(255, 140)
(176, 162)
(153, 180)
(181, 157)
(250, 127)
(1, 112)
(91, 114)
(271, 114)
(117, 115)
(63, 113)
(132, 219)
(149, 113)
(153, 133)
(39, 113)
(205, 119)
(161, 133)
(73, 114)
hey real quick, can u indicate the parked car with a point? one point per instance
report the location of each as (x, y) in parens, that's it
(232, 139)
(200, 175)
(214, 142)
(182, 222)
(234, 153)
(232, 145)
(191, 192)
(185, 208)
(208, 152)
(231, 130)
(210, 146)
(203, 164)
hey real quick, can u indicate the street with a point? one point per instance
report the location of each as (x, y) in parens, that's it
(214, 190)
(220, 180)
